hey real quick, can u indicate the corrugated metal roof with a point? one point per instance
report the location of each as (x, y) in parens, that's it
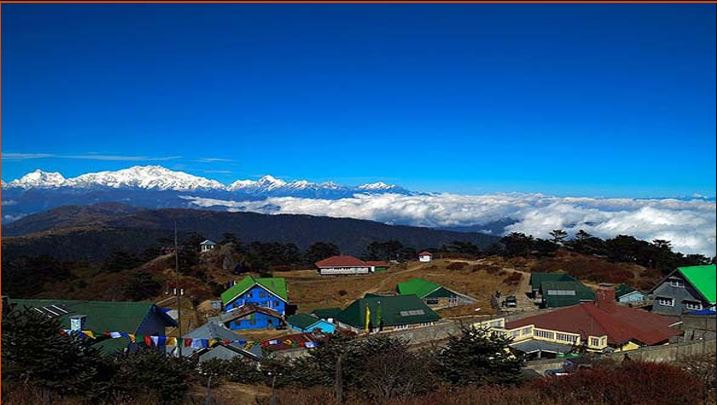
(275, 285)
(703, 279)
(620, 324)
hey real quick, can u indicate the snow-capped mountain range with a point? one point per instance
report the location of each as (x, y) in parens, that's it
(159, 187)
(161, 178)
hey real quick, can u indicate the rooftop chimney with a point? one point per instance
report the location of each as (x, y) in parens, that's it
(77, 323)
(605, 298)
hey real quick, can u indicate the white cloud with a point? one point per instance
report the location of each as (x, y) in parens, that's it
(689, 225)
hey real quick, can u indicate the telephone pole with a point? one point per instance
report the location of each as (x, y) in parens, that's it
(177, 291)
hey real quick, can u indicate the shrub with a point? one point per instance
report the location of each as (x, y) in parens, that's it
(457, 266)
(630, 383)
(150, 372)
(513, 279)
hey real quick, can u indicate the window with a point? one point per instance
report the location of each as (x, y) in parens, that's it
(567, 338)
(412, 312)
(544, 334)
(676, 282)
(692, 305)
(667, 302)
(248, 295)
(595, 341)
(432, 301)
(561, 292)
(276, 304)
(262, 294)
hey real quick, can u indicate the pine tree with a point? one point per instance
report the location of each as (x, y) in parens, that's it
(479, 357)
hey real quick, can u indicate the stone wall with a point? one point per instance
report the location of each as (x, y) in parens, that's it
(664, 353)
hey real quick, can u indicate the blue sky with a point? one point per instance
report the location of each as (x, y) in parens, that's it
(598, 100)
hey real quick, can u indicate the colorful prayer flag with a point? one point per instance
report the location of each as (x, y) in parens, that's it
(115, 335)
(171, 341)
(187, 342)
(148, 340)
(89, 334)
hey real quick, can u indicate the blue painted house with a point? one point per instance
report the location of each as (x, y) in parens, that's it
(628, 295)
(309, 323)
(255, 303)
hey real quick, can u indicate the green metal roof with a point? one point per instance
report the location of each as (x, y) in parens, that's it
(582, 293)
(392, 310)
(302, 320)
(623, 289)
(536, 279)
(702, 279)
(276, 285)
(102, 316)
(325, 313)
(418, 287)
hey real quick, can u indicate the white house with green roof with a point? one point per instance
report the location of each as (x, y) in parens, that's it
(685, 289)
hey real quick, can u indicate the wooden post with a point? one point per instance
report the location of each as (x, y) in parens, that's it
(339, 381)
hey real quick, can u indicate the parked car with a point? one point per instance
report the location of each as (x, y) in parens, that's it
(569, 367)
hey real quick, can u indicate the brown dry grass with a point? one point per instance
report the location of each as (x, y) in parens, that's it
(309, 290)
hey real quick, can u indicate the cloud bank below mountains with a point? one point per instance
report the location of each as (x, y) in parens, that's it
(689, 225)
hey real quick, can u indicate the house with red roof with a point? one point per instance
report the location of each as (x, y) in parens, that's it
(425, 257)
(342, 265)
(599, 326)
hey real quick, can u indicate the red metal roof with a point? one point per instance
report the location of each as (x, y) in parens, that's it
(620, 324)
(341, 261)
(425, 253)
(378, 263)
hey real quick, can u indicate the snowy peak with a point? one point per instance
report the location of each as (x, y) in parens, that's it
(161, 178)
(147, 177)
(39, 179)
(376, 186)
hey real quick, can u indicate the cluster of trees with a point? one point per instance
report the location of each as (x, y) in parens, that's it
(36, 356)
(40, 365)
(657, 254)
(36, 359)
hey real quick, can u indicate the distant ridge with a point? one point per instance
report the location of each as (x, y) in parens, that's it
(94, 232)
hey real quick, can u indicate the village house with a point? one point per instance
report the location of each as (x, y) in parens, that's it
(207, 245)
(224, 344)
(599, 326)
(628, 295)
(434, 295)
(255, 303)
(98, 317)
(386, 313)
(342, 265)
(685, 289)
(553, 290)
(327, 314)
(378, 265)
(425, 257)
(309, 323)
